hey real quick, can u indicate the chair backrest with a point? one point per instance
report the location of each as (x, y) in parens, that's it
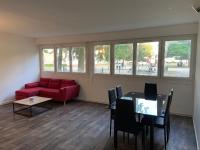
(169, 101)
(119, 92)
(150, 91)
(172, 91)
(125, 115)
(172, 94)
(112, 97)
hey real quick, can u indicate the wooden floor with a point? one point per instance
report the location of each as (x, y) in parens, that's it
(79, 126)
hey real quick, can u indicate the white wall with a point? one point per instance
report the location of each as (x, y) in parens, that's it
(94, 87)
(196, 116)
(19, 64)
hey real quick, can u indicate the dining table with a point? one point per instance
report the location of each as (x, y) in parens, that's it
(144, 106)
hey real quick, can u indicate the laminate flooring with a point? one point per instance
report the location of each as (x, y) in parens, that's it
(80, 126)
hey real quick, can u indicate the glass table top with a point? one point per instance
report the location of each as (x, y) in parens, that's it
(147, 106)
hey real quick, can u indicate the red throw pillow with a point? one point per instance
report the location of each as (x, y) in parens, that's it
(54, 83)
(44, 82)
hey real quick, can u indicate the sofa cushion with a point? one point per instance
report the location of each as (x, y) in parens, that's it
(52, 93)
(44, 82)
(28, 92)
(54, 84)
(65, 83)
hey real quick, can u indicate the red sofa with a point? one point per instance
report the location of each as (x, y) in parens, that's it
(58, 89)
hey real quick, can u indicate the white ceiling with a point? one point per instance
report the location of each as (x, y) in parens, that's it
(41, 18)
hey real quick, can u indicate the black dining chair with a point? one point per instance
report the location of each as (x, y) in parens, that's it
(168, 121)
(125, 121)
(150, 91)
(119, 91)
(161, 122)
(112, 104)
(119, 95)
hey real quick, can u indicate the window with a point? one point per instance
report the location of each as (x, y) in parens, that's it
(147, 58)
(177, 58)
(123, 58)
(63, 61)
(78, 59)
(48, 59)
(102, 59)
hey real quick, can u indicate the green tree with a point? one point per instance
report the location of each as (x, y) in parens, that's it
(79, 53)
(62, 54)
(124, 52)
(144, 51)
(179, 48)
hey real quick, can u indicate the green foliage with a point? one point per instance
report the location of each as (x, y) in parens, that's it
(179, 48)
(124, 52)
(144, 51)
(79, 53)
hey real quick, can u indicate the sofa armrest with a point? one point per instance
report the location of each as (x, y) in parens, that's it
(31, 85)
(70, 92)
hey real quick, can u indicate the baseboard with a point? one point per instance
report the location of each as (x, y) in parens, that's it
(92, 101)
(195, 134)
(183, 115)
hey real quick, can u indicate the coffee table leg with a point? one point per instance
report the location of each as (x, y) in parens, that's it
(31, 112)
(13, 107)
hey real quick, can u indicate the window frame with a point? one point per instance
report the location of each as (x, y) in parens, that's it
(57, 60)
(192, 56)
(146, 40)
(55, 47)
(89, 56)
(113, 61)
(85, 55)
(111, 57)
(42, 59)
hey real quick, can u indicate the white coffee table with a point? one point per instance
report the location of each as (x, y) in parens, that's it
(28, 103)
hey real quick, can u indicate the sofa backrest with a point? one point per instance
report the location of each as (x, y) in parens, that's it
(44, 82)
(55, 83)
(65, 83)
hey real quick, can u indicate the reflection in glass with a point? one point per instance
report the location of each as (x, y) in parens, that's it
(144, 106)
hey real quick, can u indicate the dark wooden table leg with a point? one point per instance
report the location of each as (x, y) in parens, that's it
(31, 112)
(151, 137)
(13, 107)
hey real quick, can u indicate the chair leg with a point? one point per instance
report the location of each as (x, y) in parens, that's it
(167, 134)
(165, 138)
(110, 126)
(128, 137)
(136, 142)
(146, 130)
(143, 139)
(168, 130)
(115, 139)
(123, 136)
